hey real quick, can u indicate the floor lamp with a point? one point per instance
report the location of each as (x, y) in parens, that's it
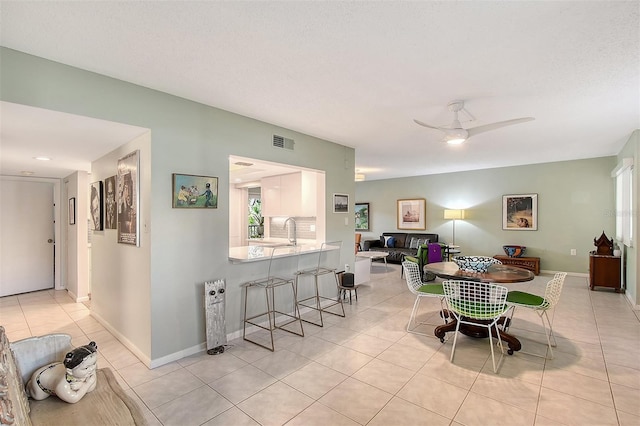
(454, 214)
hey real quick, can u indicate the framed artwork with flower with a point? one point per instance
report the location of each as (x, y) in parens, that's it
(362, 216)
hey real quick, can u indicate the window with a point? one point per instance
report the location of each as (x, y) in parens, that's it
(623, 174)
(256, 221)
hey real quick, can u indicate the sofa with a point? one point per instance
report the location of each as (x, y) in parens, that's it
(106, 404)
(402, 244)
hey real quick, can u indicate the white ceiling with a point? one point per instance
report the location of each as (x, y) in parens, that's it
(358, 73)
(71, 142)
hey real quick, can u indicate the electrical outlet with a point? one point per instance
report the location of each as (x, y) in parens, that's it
(346, 221)
(573, 252)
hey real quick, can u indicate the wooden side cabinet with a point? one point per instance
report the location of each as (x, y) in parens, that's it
(604, 271)
(530, 263)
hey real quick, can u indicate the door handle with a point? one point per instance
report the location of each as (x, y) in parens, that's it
(49, 240)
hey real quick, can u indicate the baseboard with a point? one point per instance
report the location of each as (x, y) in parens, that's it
(631, 301)
(122, 339)
(571, 274)
(76, 298)
(158, 362)
(203, 346)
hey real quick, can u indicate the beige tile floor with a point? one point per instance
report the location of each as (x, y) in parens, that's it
(365, 369)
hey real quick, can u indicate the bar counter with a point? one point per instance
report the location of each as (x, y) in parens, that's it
(256, 253)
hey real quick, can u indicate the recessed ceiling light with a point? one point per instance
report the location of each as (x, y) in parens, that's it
(26, 173)
(42, 158)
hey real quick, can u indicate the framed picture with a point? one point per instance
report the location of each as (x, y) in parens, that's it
(362, 216)
(72, 211)
(520, 212)
(110, 203)
(411, 214)
(128, 200)
(340, 203)
(195, 192)
(95, 205)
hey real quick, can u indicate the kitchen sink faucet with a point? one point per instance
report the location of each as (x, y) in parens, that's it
(293, 240)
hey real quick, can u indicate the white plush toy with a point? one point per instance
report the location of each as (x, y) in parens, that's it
(69, 380)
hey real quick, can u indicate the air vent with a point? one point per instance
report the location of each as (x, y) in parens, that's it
(243, 164)
(282, 142)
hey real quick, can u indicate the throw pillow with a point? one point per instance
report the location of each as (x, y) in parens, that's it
(391, 242)
(414, 243)
(386, 241)
(422, 241)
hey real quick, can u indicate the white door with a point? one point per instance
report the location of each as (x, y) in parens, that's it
(26, 236)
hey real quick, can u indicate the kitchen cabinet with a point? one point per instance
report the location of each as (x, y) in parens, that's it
(292, 194)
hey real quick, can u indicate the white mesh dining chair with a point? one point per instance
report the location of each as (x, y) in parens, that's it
(479, 305)
(540, 305)
(421, 290)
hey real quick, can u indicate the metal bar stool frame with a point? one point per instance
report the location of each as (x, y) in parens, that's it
(269, 284)
(316, 299)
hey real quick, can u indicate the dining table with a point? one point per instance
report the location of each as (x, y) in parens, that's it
(496, 273)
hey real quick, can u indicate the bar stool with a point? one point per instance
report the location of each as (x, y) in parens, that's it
(322, 268)
(347, 284)
(269, 284)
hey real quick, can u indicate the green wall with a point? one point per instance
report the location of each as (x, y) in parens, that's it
(575, 204)
(179, 249)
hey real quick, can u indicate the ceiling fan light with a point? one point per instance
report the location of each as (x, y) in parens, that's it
(456, 136)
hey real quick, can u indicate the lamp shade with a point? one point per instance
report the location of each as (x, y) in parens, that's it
(454, 214)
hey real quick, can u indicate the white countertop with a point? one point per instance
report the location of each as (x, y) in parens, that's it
(255, 253)
(274, 242)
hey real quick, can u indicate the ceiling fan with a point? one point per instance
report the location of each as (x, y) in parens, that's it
(456, 134)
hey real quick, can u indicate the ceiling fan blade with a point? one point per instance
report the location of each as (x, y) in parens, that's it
(480, 129)
(426, 125)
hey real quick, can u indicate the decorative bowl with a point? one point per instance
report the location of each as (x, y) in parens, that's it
(474, 263)
(514, 251)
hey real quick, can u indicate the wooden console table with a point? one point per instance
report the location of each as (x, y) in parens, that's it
(604, 271)
(530, 263)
